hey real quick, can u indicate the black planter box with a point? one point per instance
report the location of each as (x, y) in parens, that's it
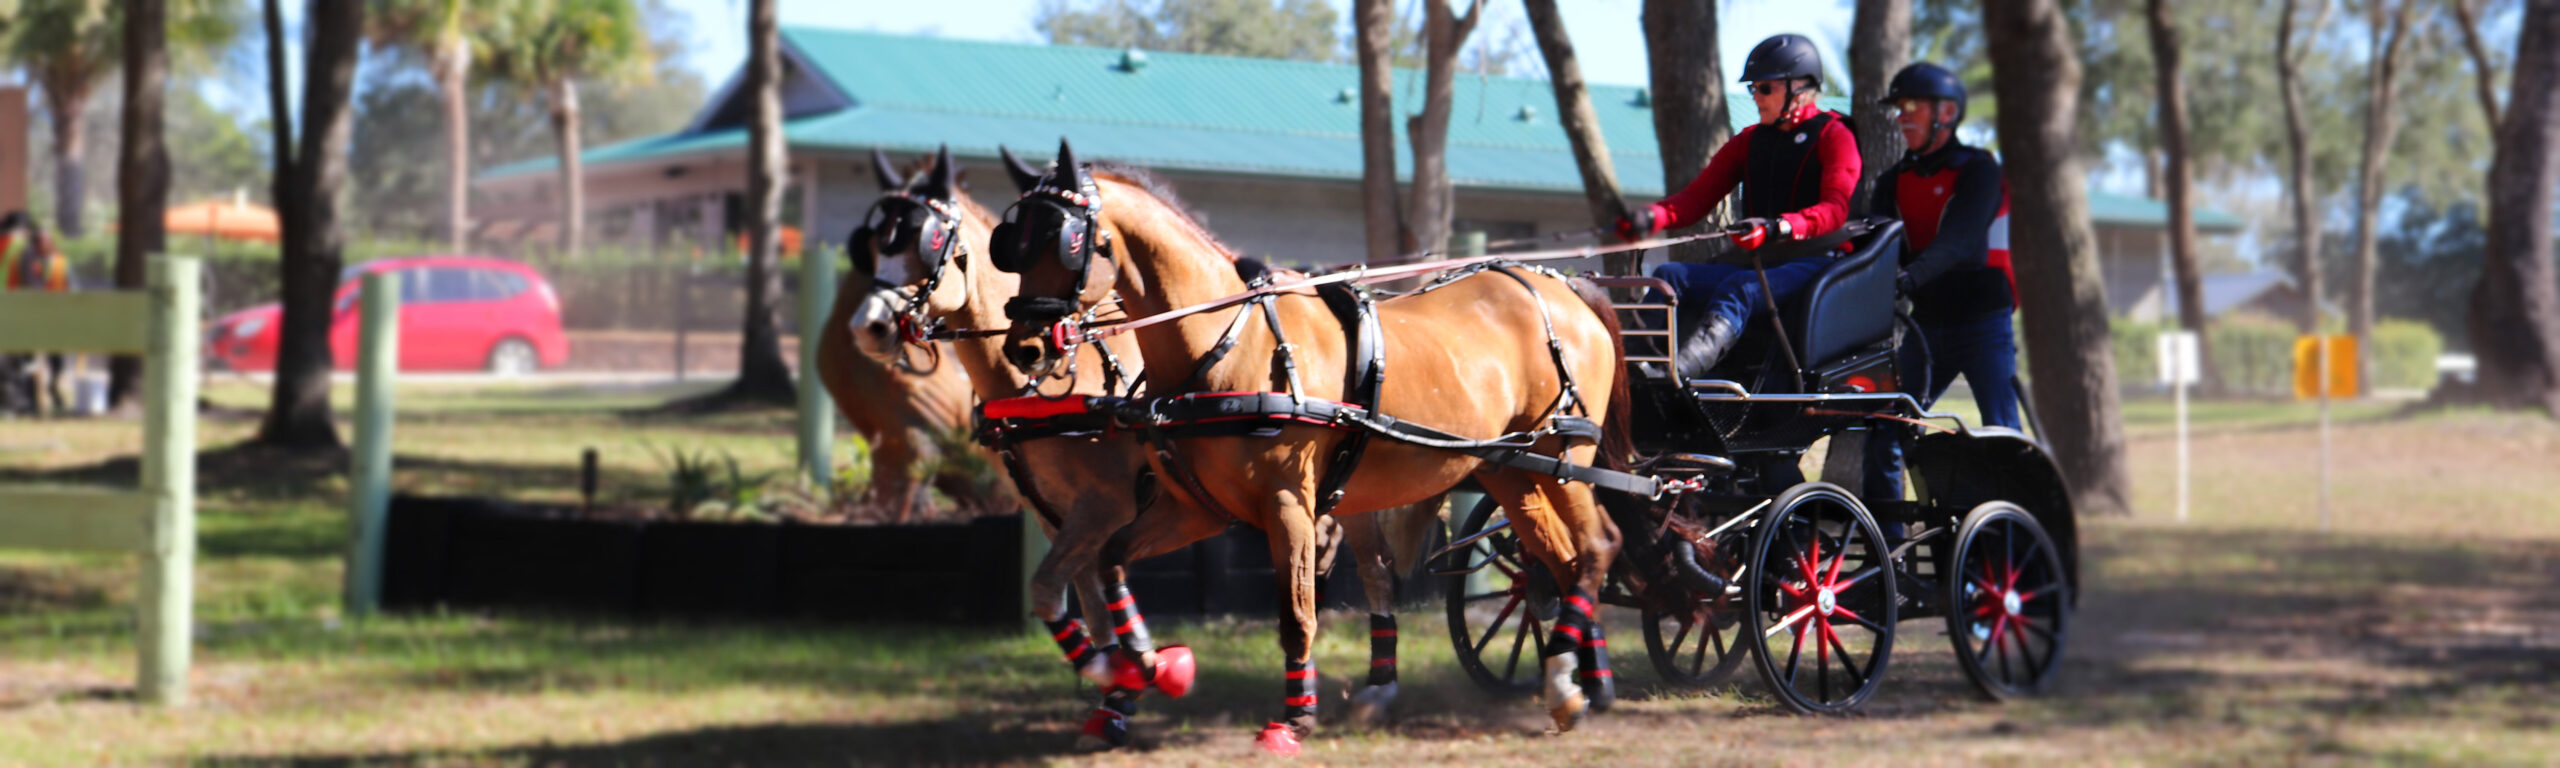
(480, 553)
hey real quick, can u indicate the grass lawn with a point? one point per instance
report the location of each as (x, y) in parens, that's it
(2424, 628)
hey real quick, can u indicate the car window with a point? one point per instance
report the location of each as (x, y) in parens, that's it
(494, 285)
(448, 284)
(413, 285)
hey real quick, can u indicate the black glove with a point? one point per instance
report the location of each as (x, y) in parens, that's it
(1637, 223)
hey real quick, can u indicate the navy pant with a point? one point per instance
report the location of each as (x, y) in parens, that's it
(1732, 291)
(1985, 353)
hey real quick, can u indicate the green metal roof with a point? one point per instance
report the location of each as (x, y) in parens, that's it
(1193, 112)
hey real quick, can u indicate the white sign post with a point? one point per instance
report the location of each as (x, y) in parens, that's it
(2179, 368)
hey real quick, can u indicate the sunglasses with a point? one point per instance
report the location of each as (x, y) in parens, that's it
(1771, 88)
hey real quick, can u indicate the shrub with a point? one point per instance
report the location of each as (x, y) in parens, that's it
(2253, 354)
(2404, 354)
(2137, 350)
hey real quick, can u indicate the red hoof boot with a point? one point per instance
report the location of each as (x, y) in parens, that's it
(1278, 739)
(1106, 728)
(1173, 672)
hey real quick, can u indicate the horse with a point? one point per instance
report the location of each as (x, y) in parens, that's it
(1083, 490)
(906, 416)
(1533, 346)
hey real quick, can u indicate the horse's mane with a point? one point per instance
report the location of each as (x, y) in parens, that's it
(1156, 187)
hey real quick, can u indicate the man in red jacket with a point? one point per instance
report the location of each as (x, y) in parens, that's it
(1797, 169)
(1954, 205)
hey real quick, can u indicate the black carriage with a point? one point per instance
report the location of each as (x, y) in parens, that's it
(1751, 559)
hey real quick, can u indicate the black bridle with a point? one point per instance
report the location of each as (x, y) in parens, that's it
(931, 226)
(1076, 245)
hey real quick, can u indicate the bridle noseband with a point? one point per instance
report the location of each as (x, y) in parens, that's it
(1077, 243)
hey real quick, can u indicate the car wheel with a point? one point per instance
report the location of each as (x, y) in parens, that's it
(512, 357)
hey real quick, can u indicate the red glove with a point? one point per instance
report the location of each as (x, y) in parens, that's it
(1748, 234)
(1637, 224)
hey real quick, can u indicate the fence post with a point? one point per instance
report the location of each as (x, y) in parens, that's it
(369, 486)
(169, 473)
(817, 419)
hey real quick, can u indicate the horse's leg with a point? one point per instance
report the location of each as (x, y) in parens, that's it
(1366, 538)
(1546, 535)
(1596, 542)
(1291, 527)
(893, 462)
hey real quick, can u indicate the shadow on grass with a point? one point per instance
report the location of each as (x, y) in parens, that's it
(244, 470)
(941, 743)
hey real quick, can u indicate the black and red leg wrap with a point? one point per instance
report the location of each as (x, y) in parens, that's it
(1069, 634)
(1573, 625)
(1382, 649)
(1298, 690)
(1592, 656)
(1130, 627)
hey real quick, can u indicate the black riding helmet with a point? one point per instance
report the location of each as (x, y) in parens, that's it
(1783, 57)
(1930, 82)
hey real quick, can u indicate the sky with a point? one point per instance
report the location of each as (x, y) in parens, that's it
(1607, 36)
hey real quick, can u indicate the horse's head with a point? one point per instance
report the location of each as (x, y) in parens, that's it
(924, 224)
(1058, 238)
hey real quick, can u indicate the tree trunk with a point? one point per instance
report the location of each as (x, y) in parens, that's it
(2515, 310)
(1581, 125)
(762, 376)
(2297, 135)
(453, 82)
(573, 178)
(1879, 45)
(1428, 205)
(2036, 77)
(2177, 182)
(2380, 123)
(1374, 24)
(65, 101)
(1687, 80)
(2484, 71)
(298, 415)
(142, 168)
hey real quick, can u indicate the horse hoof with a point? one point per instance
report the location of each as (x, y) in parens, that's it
(1103, 730)
(1569, 714)
(1369, 706)
(1278, 739)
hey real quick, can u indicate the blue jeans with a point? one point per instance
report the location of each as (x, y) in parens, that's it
(1732, 291)
(1985, 353)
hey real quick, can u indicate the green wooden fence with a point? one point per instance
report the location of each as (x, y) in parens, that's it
(157, 521)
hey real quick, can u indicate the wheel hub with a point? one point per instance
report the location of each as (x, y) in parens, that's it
(2010, 603)
(1826, 601)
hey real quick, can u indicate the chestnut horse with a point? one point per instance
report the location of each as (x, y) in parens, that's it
(1495, 353)
(904, 415)
(1090, 485)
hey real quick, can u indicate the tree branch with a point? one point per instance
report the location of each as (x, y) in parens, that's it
(2480, 64)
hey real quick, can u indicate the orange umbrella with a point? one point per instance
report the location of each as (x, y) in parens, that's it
(234, 219)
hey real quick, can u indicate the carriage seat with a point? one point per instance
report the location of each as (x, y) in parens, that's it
(1850, 306)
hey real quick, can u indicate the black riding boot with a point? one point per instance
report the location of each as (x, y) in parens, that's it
(1705, 346)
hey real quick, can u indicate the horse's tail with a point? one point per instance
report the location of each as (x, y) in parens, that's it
(1617, 435)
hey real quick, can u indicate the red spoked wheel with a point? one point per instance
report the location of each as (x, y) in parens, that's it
(2009, 601)
(1500, 604)
(1821, 600)
(1695, 639)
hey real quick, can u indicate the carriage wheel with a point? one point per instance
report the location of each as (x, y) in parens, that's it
(1696, 647)
(2009, 603)
(1499, 622)
(1695, 640)
(1820, 600)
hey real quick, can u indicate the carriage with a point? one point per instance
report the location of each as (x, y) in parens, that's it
(1752, 560)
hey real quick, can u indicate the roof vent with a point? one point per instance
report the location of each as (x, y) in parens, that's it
(1345, 96)
(1528, 113)
(1132, 60)
(1644, 98)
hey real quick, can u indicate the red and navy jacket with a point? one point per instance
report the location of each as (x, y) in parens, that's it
(1954, 207)
(1802, 170)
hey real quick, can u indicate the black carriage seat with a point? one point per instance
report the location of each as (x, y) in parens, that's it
(1850, 306)
(1843, 319)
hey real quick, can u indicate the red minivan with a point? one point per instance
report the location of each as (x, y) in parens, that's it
(457, 313)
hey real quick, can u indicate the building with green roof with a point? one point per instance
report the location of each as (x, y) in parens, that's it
(1266, 152)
